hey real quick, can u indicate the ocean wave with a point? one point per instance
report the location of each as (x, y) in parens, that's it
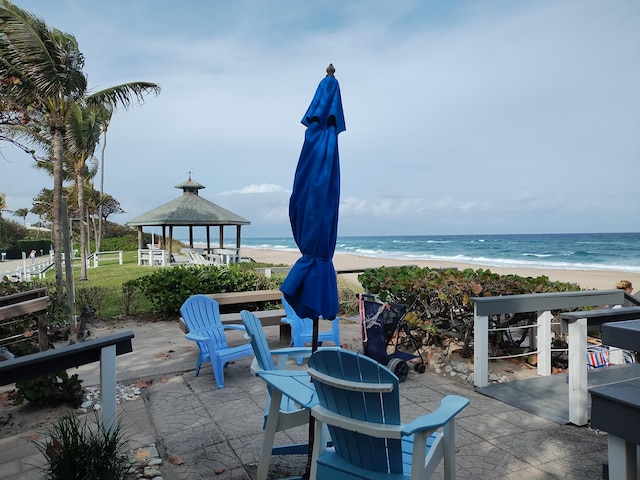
(504, 262)
(553, 251)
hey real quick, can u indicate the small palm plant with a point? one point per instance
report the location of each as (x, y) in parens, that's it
(78, 450)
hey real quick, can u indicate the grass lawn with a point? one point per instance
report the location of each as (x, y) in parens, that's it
(107, 279)
(110, 275)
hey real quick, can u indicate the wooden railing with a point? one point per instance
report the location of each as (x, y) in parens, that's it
(102, 256)
(541, 343)
(102, 349)
(25, 303)
(28, 270)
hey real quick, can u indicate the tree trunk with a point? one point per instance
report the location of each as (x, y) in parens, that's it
(83, 231)
(58, 153)
(104, 146)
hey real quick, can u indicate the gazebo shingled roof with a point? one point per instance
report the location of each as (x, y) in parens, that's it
(189, 210)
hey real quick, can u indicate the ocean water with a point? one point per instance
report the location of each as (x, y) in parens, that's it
(578, 251)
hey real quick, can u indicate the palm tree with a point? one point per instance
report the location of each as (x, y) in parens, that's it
(82, 136)
(22, 213)
(41, 69)
(106, 119)
(3, 203)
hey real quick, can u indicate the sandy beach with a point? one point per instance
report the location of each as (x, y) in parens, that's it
(587, 279)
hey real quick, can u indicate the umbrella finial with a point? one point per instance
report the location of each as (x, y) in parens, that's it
(330, 70)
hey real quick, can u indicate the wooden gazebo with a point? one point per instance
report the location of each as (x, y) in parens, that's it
(189, 210)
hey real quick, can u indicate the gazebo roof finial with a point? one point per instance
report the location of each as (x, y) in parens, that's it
(190, 186)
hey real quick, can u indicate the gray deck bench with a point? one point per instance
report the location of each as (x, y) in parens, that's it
(24, 303)
(267, 317)
(103, 349)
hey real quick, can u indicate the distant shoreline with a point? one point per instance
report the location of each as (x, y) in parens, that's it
(587, 279)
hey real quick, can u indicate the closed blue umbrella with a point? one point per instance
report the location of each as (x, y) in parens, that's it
(310, 286)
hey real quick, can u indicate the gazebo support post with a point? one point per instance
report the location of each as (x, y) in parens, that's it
(190, 236)
(221, 236)
(170, 241)
(140, 241)
(208, 239)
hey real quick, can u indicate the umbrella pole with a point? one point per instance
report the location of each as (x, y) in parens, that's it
(314, 347)
(315, 334)
(307, 468)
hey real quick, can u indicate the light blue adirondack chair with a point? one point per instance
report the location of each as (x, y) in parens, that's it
(302, 329)
(360, 403)
(281, 412)
(201, 315)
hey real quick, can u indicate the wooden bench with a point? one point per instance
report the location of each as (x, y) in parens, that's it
(267, 317)
(25, 303)
(103, 349)
(153, 257)
(253, 296)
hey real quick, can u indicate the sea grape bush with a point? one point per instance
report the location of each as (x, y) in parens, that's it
(168, 288)
(440, 299)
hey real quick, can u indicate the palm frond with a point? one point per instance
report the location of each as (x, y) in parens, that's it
(123, 95)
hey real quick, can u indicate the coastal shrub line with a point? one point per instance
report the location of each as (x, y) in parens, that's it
(439, 300)
(168, 288)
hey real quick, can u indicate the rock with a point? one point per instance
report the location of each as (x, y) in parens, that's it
(460, 367)
(150, 472)
(436, 358)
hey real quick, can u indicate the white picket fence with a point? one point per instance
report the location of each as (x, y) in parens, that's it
(28, 270)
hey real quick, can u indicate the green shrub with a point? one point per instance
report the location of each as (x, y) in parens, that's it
(347, 297)
(92, 296)
(51, 389)
(442, 297)
(10, 233)
(130, 297)
(168, 288)
(83, 451)
(111, 244)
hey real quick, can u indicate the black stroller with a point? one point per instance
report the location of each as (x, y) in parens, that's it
(380, 323)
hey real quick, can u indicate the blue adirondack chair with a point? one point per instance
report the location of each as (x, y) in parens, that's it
(302, 329)
(201, 315)
(281, 412)
(360, 403)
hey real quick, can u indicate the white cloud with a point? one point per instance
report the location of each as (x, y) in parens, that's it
(261, 188)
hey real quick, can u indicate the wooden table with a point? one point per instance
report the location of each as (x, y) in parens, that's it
(625, 335)
(615, 408)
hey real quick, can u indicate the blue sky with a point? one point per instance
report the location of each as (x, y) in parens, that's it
(462, 116)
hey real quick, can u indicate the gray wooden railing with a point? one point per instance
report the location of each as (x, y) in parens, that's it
(543, 304)
(102, 349)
